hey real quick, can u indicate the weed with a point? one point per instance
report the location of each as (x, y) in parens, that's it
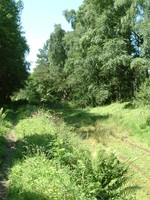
(4, 128)
(3, 149)
(53, 163)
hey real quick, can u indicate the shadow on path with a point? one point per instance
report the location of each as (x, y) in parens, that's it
(6, 164)
(78, 117)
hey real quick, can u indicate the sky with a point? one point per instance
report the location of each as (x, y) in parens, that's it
(38, 19)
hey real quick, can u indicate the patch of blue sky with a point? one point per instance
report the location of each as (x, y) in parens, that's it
(38, 20)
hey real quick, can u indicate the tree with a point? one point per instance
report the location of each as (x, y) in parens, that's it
(13, 49)
(99, 54)
(57, 58)
(103, 59)
(48, 78)
(107, 36)
(140, 68)
(70, 17)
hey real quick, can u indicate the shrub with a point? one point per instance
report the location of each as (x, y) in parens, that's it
(35, 132)
(3, 148)
(57, 165)
(4, 125)
(109, 174)
(142, 97)
(4, 128)
(42, 179)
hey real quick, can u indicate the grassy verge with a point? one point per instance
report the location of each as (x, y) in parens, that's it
(121, 129)
(5, 127)
(134, 120)
(51, 162)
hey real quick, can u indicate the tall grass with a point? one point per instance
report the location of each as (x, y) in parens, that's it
(122, 128)
(53, 163)
(5, 126)
(135, 120)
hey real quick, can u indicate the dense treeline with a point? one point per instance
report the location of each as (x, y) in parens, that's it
(103, 59)
(13, 48)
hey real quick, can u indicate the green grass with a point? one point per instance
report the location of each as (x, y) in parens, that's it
(51, 162)
(120, 128)
(3, 149)
(133, 120)
(9, 116)
(41, 179)
(5, 127)
(70, 153)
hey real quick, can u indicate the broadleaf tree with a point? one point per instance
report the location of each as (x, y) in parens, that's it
(13, 49)
(104, 58)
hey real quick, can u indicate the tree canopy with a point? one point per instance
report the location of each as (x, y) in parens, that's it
(103, 59)
(13, 49)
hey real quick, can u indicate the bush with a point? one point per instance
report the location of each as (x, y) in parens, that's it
(57, 165)
(109, 176)
(3, 149)
(4, 128)
(101, 96)
(42, 179)
(39, 176)
(143, 96)
(4, 125)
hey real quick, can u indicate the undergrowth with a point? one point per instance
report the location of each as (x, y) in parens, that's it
(51, 162)
(5, 125)
(135, 120)
(4, 129)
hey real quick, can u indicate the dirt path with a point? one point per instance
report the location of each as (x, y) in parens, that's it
(135, 145)
(135, 168)
(137, 148)
(7, 164)
(139, 156)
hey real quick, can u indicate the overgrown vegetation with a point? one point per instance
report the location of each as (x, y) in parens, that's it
(103, 59)
(13, 50)
(4, 128)
(121, 128)
(142, 97)
(52, 163)
(67, 152)
(5, 125)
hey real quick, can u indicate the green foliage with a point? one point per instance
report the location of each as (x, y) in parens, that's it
(140, 68)
(47, 82)
(54, 164)
(3, 148)
(102, 60)
(4, 124)
(30, 92)
(4, 128)
(70, 17)
(142, 97)
(13, 48)
(49, 180)
(109, 181)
